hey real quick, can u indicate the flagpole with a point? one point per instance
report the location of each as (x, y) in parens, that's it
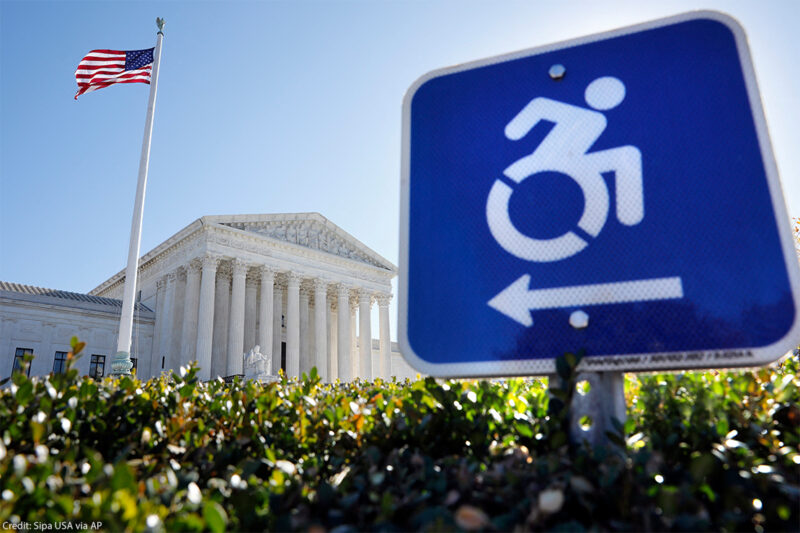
(121, 363)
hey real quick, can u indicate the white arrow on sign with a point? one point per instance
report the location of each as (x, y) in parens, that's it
(517, 302)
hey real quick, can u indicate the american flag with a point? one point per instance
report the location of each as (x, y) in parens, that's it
(101, 68)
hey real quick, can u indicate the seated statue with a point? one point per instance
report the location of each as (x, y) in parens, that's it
(256, 364)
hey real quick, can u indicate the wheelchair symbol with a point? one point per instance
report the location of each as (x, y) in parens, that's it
(565, 150)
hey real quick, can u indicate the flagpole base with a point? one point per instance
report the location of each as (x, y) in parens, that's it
(121, 364)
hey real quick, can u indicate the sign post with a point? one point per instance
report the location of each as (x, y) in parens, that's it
(616, 194)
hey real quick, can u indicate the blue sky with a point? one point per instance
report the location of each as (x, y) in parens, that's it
(270, 107)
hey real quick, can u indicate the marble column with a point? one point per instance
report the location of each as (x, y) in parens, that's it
(355, 360)
(277, 325)
(365, 333)
(311, 338)
(236, 323)
(168, 326)
(385, 357)
(305, 348)
(333, 327)
(293, 325)
(265, 310)
(189, 326)
(320, 328)
(250, 310)
(222, 309)
(344, 333)
(175, 349)
(155, 353)
(205, 316)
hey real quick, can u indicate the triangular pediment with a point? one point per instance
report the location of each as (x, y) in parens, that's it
(310, 230)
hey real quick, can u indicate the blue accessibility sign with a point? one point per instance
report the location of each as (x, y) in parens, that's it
(615, 194)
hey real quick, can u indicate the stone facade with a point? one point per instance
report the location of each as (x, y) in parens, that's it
(297, 285)
(224, 284)
(44, 320)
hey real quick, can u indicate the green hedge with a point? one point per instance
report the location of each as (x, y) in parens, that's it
(700, 451)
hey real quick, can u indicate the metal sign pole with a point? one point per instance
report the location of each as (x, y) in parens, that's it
(601, 404)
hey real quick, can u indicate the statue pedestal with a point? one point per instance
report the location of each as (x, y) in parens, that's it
(263, 377)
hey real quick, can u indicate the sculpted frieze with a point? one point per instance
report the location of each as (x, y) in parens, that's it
(310, 234)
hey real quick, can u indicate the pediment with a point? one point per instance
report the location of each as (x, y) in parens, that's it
(311, 230)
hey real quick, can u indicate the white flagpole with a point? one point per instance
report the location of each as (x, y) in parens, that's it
(121, 363)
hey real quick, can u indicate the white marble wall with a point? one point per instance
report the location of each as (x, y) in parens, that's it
(47, 327)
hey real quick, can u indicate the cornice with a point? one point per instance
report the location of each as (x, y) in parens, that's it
(264, 245)
(180, 240)
(300, 220)
(213, 229)
(86, 308)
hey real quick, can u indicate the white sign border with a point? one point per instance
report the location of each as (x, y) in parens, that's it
(725, 358)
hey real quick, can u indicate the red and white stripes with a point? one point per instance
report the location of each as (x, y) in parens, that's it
(101, 68)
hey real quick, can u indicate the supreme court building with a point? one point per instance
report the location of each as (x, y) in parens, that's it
(296, 285)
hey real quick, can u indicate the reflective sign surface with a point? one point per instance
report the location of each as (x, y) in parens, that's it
(616, 194)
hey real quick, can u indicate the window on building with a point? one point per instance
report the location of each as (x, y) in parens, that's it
(60, 362)
(19, 361)
(97, 366)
